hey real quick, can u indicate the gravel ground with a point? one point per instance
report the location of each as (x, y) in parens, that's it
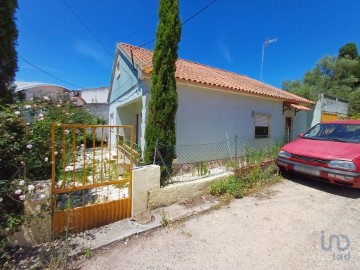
(278, 228)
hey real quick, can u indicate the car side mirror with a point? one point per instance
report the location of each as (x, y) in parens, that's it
(300, 135)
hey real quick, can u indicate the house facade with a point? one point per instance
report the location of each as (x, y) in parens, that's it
(213, 104)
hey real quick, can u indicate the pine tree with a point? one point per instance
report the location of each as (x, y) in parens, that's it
(164, 100)
(8, 55)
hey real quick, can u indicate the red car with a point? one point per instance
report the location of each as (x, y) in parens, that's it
(328, 151)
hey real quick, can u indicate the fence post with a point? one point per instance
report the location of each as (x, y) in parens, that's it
(155, 150)
(236, 159)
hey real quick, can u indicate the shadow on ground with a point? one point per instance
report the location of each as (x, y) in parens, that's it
(324, 186)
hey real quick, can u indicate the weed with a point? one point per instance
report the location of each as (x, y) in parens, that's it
(164, 220)
(218, 188)
(88, 253)
(244, 181)
(216, 206)
(202, 169)
(254, 155)
(231, 186)
(230, 164)
(126, 174)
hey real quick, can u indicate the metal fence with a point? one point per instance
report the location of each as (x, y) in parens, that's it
(202, 160)
(91, 178)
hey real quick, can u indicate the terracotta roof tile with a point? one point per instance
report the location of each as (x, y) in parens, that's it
(299, 107)
(206, 75)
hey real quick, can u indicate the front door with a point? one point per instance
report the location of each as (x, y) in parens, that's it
(288, 128)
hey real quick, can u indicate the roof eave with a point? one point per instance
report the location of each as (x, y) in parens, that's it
(237, 91)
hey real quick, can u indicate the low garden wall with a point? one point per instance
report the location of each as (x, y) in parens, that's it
(147, 193)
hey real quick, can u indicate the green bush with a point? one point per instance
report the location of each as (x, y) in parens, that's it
(25, 150)
(12, 141)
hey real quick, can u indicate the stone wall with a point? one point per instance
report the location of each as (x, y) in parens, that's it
(147, 193)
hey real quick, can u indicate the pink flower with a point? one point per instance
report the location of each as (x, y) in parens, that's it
(22, 197)
(18, 191)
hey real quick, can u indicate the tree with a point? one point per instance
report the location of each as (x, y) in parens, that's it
(8, 55)
(349, 51)
(337, 76)
(164, 100)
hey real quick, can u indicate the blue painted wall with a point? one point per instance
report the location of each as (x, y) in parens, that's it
(125, 82)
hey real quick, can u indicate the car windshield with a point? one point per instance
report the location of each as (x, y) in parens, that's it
(334, 132)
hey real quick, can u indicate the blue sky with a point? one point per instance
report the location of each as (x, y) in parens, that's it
(228, 35)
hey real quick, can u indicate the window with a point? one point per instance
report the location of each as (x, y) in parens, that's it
(262, 126)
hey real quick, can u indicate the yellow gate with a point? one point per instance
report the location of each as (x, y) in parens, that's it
(91, 175)
(326, 117)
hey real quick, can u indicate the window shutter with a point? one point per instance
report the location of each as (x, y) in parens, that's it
(261, 120)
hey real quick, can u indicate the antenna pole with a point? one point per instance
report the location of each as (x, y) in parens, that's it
(262, 62)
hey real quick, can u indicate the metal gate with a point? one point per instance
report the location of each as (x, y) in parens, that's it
(91, 176)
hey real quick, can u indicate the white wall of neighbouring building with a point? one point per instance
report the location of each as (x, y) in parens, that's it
(95, 95)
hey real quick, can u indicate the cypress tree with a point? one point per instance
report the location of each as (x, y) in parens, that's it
(8, 55)
(164, 100)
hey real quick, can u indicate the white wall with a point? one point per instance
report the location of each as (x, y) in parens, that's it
(301, 122)
(333, 105)
(208, 116)
(95, 95)
(205, 116)
(316, 112)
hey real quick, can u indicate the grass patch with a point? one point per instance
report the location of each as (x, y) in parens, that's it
(245, 181)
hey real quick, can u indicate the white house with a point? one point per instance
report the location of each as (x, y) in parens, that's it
(213, 104)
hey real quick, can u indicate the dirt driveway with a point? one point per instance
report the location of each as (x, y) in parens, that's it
(280, 228)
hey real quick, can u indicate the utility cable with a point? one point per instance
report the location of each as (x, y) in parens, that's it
(92, 33)
(186, 21)
(47, 73)
(140, 28)
(88, 29)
